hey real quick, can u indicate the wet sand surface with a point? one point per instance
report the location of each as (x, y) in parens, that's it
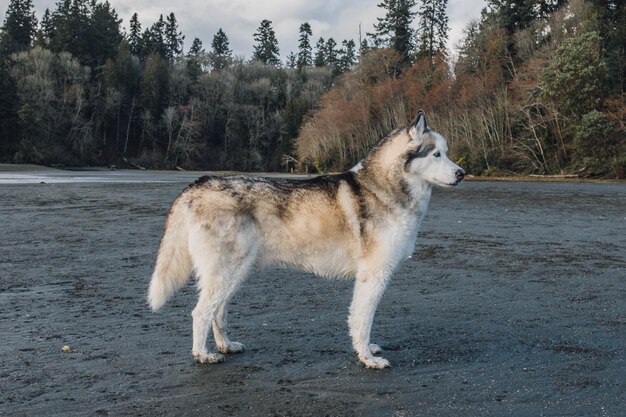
(514, 304)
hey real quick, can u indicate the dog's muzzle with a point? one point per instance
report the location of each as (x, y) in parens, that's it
(460, 174)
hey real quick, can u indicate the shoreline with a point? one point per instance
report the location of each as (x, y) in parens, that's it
(32, 168)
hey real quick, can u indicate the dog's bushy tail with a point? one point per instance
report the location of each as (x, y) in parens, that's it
(173, 264)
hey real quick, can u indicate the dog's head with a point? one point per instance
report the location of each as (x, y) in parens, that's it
(426, 156)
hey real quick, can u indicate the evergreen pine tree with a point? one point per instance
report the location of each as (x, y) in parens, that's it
(104, 33)
(69, 26)
(173, 38)
(42, 36)
(134, 37)
(433, 27)
(516, 14)
(330, 52)
(266, 49)
(194, 59)
(613, 30)
(364, 46)
(153, 39)
(221, 55)
(394, 29)
(305, 53)
(55, 27)
(320, 53)
(347, 55)
(196, 47)
(292, 60)
(20, 25)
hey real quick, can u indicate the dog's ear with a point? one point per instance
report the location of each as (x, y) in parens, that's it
(418, 127)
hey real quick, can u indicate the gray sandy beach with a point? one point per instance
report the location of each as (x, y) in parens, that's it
(513, 304)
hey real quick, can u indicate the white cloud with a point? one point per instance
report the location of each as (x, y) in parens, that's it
(339, 19)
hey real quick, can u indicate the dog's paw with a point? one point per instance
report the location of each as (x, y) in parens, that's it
(374, 362)
(374, 348)
(232, 347)
(208, 357)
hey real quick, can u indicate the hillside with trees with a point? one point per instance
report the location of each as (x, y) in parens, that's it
(78, 91)
(536, 87)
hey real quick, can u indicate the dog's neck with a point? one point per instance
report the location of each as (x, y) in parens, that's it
(392, 189)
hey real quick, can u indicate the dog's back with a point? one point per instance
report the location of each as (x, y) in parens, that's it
(313, 224)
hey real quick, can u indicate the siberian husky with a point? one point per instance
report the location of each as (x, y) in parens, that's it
(360, 224)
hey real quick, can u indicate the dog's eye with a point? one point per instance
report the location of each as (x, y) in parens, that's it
(437, 154)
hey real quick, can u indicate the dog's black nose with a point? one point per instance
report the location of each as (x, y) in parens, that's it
(460, 174)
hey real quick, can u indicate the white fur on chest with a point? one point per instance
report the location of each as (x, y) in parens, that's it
(397, 236)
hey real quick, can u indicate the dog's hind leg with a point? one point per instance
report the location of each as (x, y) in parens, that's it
(224, 344)
(221, 263)
(240, 271)
(202, 316)
(211, 311)
(368, 290)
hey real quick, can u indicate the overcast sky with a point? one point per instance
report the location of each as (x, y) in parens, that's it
(339, 19)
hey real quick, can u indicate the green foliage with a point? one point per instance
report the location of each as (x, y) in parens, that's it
(90, 31)
(320, 53)
(153, 40)
(330, 52)
(592, 135)
(612, 15)
(9, 132)
(618, 166)
(18, 30)
(574, 81)
(103, 34)
(292, 60)
(221, 54)
(394, 29)
(514, 15)
(347, 56)
(266, 48)
(433, 27)
(69, 25)
(305, 52)
(194, 59)
(173, 38)
(135, 40)
(154, 85)
(162, 38)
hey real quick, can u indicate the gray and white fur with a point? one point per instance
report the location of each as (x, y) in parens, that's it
(358, 224)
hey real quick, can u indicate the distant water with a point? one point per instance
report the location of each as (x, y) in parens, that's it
(120, 176)
(55, 176)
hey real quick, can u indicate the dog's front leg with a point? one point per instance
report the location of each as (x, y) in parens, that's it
(368, 290)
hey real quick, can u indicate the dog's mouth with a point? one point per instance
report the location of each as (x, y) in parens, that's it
(442, 184)
(446, 184)
(459, 178)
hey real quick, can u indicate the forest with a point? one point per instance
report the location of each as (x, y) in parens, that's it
(535, 87)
